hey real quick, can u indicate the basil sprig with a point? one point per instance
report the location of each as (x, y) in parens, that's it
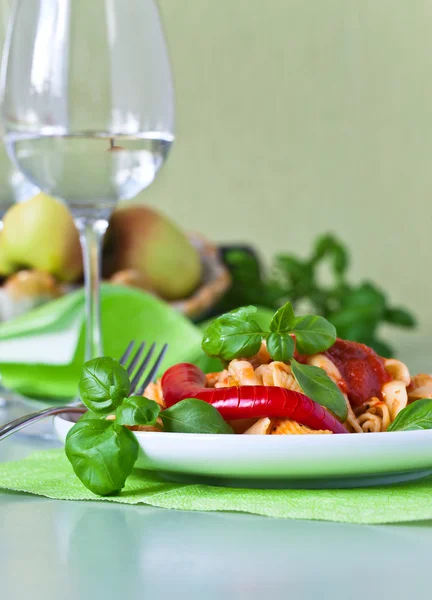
(237, 335)
(415, 416)
(357, 310)
(103, 451)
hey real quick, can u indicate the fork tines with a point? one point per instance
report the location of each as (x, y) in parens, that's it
(138, 364)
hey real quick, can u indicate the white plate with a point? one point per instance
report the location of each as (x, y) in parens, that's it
(301, 461)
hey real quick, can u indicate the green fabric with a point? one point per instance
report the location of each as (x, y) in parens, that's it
(49, 474)
(127, 314)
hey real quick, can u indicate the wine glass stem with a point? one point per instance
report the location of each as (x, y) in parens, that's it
(91, 233)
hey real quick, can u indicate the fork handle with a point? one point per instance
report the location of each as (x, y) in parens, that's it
(27, 420)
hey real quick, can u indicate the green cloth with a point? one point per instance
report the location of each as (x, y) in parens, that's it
(42, 351)
(49, 474)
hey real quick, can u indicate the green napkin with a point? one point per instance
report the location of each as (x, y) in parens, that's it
(50, 474)
(41, 352)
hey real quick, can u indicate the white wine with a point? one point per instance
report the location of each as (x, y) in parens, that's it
(90, 171)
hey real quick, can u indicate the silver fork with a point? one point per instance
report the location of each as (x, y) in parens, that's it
(136, 368)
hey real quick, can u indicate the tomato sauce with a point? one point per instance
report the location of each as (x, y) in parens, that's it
(361, 368)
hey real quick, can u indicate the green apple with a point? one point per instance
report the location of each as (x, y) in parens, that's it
(142, 239)
(41, 234)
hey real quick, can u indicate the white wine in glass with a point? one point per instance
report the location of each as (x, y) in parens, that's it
(88, 111)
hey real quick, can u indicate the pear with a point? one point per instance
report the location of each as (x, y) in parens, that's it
(143, 240)
(6, 267)
(40, 234)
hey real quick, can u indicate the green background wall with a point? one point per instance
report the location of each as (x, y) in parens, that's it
(296, 117)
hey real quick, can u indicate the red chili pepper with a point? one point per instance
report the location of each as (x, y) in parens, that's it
(248, 401)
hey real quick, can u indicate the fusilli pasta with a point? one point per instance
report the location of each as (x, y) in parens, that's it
(374, 415)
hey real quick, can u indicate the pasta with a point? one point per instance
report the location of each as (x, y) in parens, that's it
(268, 426)
(398, 370)
(395, 396)
(373, 416)
(279, 374)
(370, 414)
(420, 387)
(243, 373)
(288, 427)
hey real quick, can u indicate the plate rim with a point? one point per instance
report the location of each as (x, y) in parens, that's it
(402, 456)
(384, 435)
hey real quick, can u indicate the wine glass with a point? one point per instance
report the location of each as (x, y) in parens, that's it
(88, 112)
(14, 187)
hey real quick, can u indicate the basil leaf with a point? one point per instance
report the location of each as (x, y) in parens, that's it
(316, 384)
(340, 260)
(282, 319)
(399, 316)
(248, 284)
(232, 336)
(102, 454)
(194, 416)
(363, 305)
(313, 334)
(137, 410)
(89, 415)
(327, 245)
(243, 311)
(417, 415)
(294, 271)
(280, 346)
(103, 384)
(354, 323)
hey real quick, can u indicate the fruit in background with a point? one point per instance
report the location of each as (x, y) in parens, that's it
(6, 267)
(41, 234)
(141, 239)
(26, 290)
